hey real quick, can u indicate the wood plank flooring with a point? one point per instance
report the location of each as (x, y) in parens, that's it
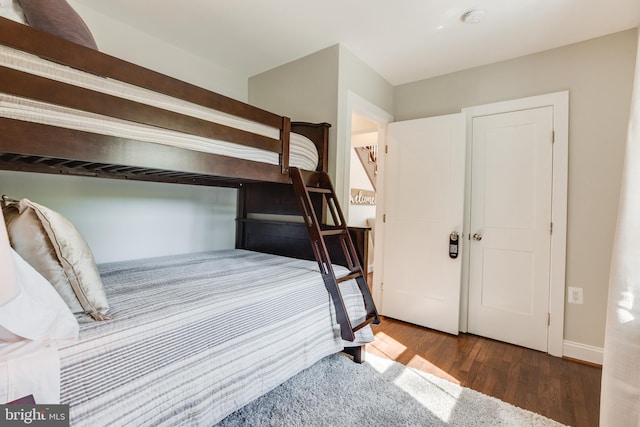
(563, 390)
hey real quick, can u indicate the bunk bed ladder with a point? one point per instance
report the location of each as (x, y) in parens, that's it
(305, 184)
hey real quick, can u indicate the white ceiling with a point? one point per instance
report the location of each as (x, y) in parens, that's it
(403, 40)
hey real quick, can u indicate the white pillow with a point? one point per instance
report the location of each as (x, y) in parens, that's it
(38, 313)
(11, 9)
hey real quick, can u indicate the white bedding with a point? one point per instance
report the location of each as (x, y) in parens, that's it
(303, 153)
(195, 337)
(29, 368)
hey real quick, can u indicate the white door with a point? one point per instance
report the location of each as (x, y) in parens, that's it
(511, 189)
(424, 187)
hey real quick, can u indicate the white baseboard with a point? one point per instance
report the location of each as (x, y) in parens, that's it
(584, 352)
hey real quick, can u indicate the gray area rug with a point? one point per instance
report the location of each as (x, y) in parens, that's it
(337, 392)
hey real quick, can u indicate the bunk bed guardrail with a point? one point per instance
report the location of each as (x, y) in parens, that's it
(34, 147)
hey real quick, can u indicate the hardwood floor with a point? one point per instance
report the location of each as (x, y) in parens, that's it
(563, 390)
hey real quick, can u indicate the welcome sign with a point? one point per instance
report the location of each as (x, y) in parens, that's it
(363, 197)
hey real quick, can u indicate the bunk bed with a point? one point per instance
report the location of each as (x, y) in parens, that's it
(189, 338)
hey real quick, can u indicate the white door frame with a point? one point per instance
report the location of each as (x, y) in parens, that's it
(373, 113)
(560, 103)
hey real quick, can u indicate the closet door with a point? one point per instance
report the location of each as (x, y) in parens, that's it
(510, 249)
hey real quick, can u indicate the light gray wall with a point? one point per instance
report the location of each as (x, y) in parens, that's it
(123, 220)
(126, 42)
(599, 77)
(315, 88)
(360, 79)
(304, 90)
(130, 220)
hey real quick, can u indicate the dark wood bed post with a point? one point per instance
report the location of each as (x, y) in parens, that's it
(356, 352)
(285, 137)
(319, 134)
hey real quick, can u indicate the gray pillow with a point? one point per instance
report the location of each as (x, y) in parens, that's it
(57, 17)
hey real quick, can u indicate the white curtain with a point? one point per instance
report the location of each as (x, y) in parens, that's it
(620, 396)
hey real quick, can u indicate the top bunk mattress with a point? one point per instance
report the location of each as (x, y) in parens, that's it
(303, 153)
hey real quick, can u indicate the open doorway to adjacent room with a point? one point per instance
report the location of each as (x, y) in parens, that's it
(366, 126)
(362, 179)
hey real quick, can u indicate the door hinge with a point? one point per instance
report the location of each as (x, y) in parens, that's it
(386, 149)
(551, 229)
(384, 218)
(548, 319)
(553, 136)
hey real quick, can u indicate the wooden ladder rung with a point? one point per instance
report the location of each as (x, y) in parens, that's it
(370, 319)
(318, 190)
(351, 275)
(333, 231)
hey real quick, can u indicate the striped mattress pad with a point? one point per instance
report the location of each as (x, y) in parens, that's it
(194, 337)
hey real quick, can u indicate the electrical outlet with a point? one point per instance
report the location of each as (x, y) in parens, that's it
(575, 295)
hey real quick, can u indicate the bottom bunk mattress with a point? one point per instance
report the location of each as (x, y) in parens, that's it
(194, 337)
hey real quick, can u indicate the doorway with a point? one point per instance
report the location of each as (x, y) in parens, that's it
(365, 118)
(363, 173)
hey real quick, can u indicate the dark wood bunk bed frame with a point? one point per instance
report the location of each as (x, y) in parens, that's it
(263, 188)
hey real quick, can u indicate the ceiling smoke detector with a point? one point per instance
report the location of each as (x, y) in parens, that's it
(473, 16)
